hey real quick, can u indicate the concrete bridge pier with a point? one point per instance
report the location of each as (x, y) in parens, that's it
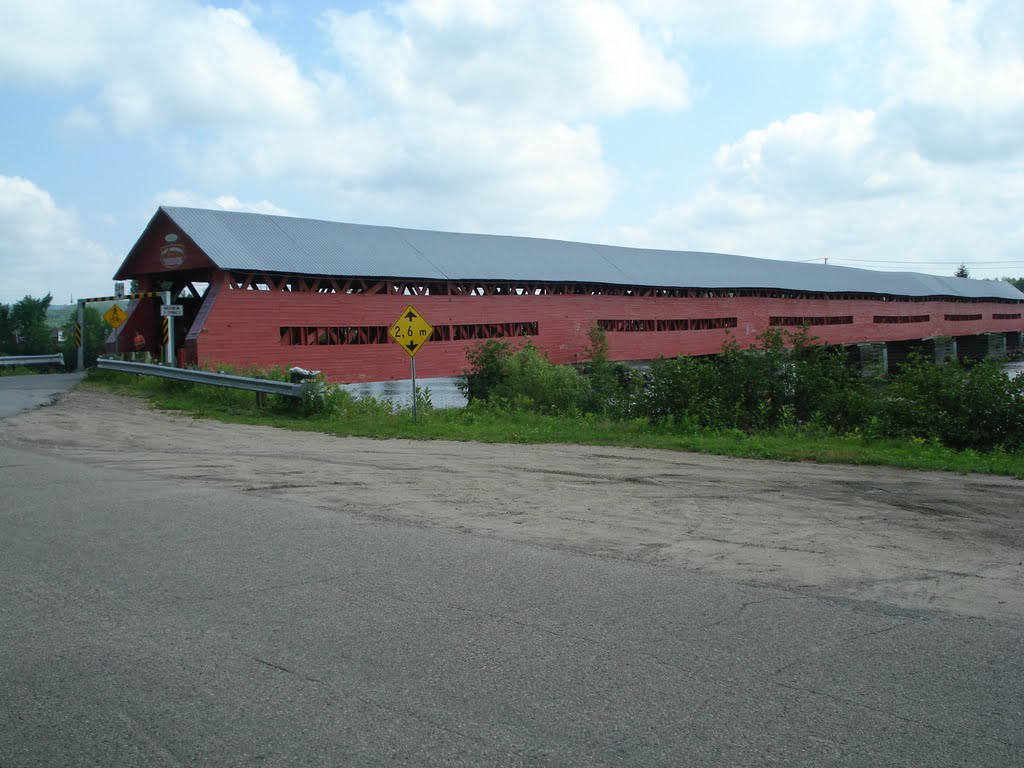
(874, 358)
(900, 351)
(887, 357)
(996, 345)
(946, 349)
(981, 346)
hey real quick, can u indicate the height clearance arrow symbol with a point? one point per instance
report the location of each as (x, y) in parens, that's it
(412, 346)
(411, 316)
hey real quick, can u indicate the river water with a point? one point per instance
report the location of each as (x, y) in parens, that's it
(444, 392)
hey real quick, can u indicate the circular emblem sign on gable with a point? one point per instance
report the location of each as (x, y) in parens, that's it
(172, 253)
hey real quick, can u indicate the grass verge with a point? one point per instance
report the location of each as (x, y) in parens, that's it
(375, 419)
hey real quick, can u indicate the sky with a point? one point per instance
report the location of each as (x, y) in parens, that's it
(882, 134)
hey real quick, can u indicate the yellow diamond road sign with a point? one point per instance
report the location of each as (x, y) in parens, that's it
(411, 331)
(115, 316)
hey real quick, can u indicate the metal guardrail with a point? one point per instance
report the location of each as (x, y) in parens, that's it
(265, 386)
(55, 359)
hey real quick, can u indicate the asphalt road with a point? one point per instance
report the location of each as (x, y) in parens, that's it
(155, 623)
(23, 393)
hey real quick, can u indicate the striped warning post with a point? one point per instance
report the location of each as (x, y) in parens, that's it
(164, 330)
(143, 295)
(78, 334)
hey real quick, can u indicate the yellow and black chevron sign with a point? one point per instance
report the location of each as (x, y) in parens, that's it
(164, 330)
(78, 334)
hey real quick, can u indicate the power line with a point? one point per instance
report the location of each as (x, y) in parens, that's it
(968, 262)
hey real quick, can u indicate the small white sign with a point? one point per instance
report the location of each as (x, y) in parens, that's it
(118, 290)
(172, 310)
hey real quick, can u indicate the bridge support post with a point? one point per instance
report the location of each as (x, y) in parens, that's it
(874, 358)
(945, 349)
(996, 345)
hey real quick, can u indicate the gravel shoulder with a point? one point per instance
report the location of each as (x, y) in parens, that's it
(915, 540)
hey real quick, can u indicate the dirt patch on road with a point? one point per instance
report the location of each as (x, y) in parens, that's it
(911, 539)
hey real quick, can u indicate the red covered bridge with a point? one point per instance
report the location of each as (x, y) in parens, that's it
(280, 291)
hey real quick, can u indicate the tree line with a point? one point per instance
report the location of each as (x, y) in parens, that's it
(24, 330)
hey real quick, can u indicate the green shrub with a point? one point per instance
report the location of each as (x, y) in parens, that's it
(826, 389)
(755, 383)
(534, 383)
(784, 381)
(523, 379)
(964, 406)
(320, 397)
(424, 403)
(682, 391)
(488, 367)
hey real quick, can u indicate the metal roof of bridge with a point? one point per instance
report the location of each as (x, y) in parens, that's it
(281, 244)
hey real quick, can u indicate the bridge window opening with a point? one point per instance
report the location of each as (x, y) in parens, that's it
(313, 336)
(902, 318)
(799, 321)
(633, 325)
(492, 330)
(316, 336)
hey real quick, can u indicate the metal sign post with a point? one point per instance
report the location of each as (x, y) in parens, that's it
(412, 332)
(412, 364)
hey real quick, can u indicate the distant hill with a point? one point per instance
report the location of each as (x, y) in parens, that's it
(57, 315)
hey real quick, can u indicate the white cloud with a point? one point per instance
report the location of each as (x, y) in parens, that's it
(42, 247)
(189, 199)
(451, 174)
(80, 121)
(566, 59)
(487, 115)
(157, 64)
(859, 202)
(474, 114)
(479, 115)
(954, 77)
(968, 53)
(933, 172)
(812, 158)
(461, 114)
(219, 71)
(783, 23)
(65, 42)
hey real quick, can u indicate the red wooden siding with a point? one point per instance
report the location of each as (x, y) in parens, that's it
(147, 259)
(243, 327)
